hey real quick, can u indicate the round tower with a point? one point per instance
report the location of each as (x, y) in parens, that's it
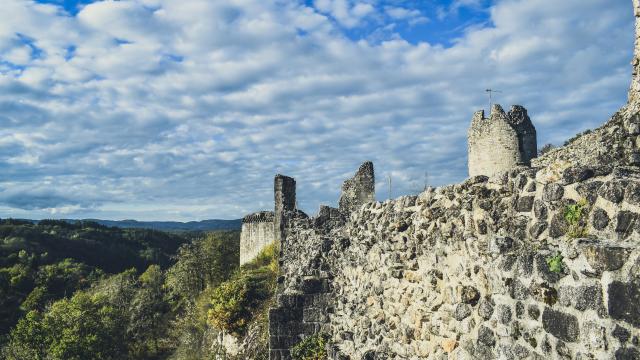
(501, 142)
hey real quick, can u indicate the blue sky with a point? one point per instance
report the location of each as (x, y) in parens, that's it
(186, 109)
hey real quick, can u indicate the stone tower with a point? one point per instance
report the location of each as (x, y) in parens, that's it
(284, 191)
(501, 142)
(358, 190)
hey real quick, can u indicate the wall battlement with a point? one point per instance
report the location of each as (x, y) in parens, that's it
(257, 232)
(501, 142)
(260, 216)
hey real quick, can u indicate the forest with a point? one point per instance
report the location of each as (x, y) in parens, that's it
(87, 291)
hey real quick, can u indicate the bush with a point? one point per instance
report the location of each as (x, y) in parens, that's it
(236, 302)
(311, 348)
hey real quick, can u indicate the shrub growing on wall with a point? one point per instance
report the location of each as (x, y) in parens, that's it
(235, 302)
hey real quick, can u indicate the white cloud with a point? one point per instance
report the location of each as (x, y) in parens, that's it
(159, 109)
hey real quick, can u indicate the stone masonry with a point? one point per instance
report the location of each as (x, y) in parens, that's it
(257, 232)
(358, 190)
(534, 262)
(500, 142)
(285, 200)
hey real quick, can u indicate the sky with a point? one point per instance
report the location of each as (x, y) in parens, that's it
(186, 109)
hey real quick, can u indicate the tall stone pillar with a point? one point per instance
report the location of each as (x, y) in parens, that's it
(284, 191)
(634, 91)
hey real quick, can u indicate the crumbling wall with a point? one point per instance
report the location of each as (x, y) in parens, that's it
(634, 91)
(463, 271)
(358, 190)
(500, 142)
(257, 232)
(284, 191)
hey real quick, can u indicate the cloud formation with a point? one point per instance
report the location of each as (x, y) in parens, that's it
(184, 110)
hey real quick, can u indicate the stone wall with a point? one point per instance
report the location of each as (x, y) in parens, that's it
(462, 272)
(284, 190)
(358, 190)
(257, 232)
(634, 91)
(538, 262)
(500, 142)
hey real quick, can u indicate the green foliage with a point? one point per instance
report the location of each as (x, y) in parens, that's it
(83, 327)
(44, 262)
(207, 261)
(311, 348)
(574, 214)
(67, 309)
(236, 302)
(555, 263)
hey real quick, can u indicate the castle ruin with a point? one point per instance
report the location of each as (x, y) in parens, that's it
(257, 232)
(501, 142)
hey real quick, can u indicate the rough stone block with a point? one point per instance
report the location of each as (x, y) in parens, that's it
(600, 219)
(623, 301)
(553, 192)
(602, 257)
(561, 325)
(625, 222)
(524, 204)
(612, 191)
(486, 336)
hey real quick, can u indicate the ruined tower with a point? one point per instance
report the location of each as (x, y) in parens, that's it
(284, 191)
(358, 190)
(257, 232)
(502, 141)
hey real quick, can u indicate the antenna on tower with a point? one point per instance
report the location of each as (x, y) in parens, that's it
(389, 178)
(491, 91)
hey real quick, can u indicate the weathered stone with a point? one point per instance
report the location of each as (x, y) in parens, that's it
(518, 291)
(537, 229)
(625, 222)
(558, 226)
(485, 308)
(595, 336)
(544, 293)
(534, 312)
(540, 210)
(486, 336)
(524, 204)
(449, 345)
(623, 301)
(461, 311)
(469, 295)
(627, 354)
(503, 314)
(589, 190)
(605, 257)
(577, 174)
(612, 191)
(519, 309)
(600, 219)
(500, 245)
(553, 192)
(632, 193)
(621, 334)
(588, 297)
(561, 325)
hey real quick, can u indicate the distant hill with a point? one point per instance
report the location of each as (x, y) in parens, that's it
(204, 225)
